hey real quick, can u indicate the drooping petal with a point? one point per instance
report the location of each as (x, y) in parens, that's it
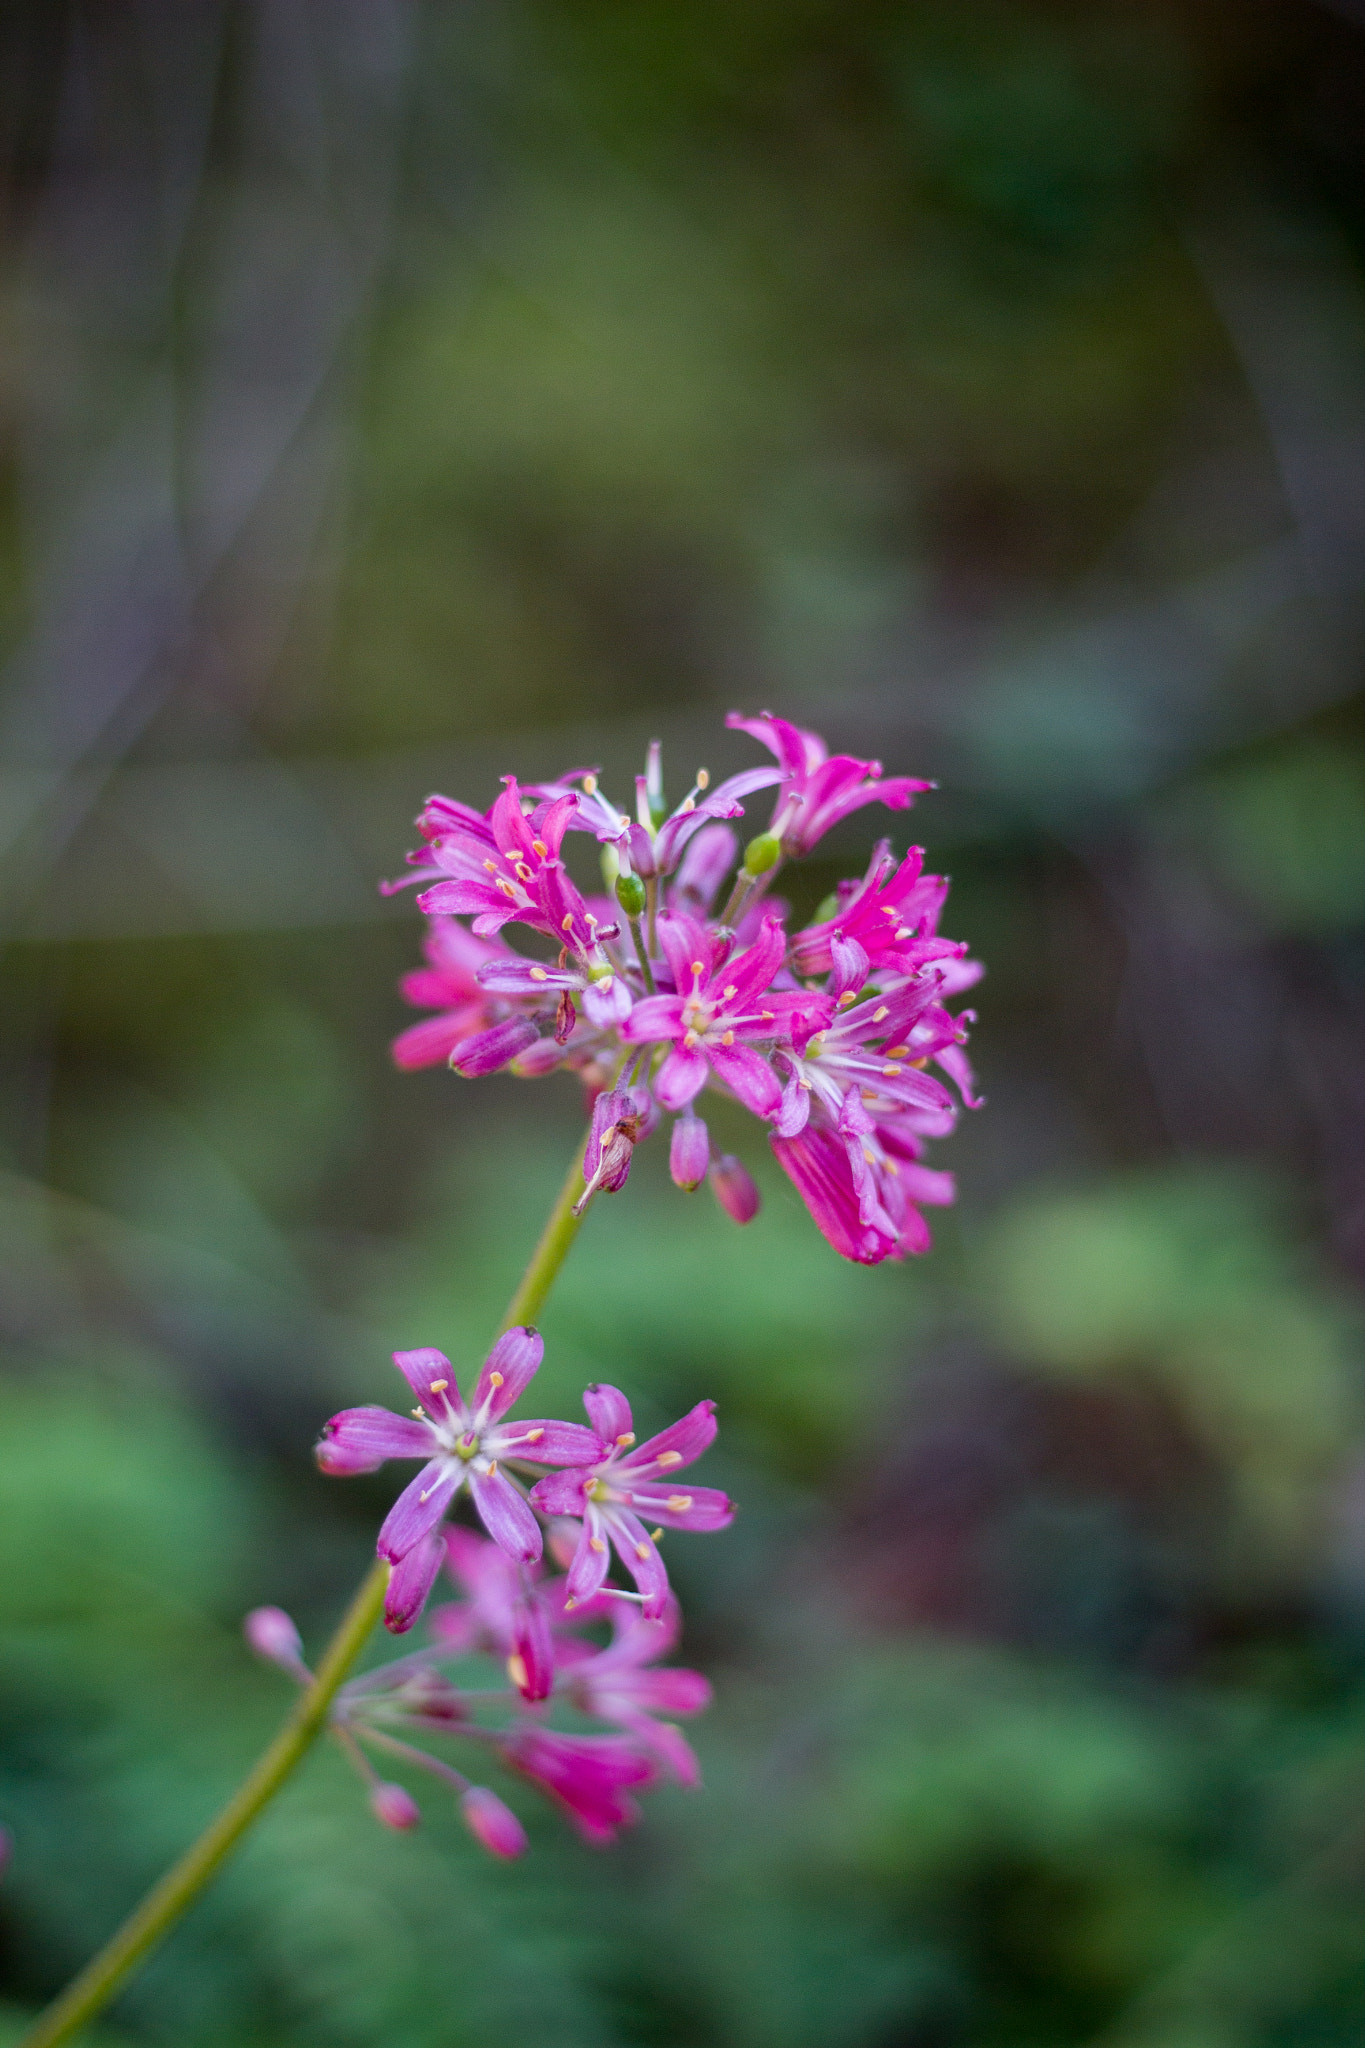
(417, 1510)
(507, 1371)
(431, 1376)
(653, 1019)
(671, 1747)
(590, 1560)
(360, 1439)
(608, 1411)
(638, 1553)
(410, 1581)
(682, 1077)
(850, 962)
(816, 1164)
(505, 1515)
(431, 1043)
(679, 1444)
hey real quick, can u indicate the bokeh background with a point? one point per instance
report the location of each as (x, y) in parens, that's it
(395, 394)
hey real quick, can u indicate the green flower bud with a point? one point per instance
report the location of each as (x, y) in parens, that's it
(630, 894)
(762, 853)
(611, 866)
(828, 909)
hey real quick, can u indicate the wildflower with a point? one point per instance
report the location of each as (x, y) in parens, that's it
(493, 1823)
(590, 1776)
(463, 1444)
(616, 1685)
(889, 918)
(822, 788)
(618, 1116)
(722, 1005)
(507, 868)
(652, 844)
(394, 1806)
(734, 1188)
(610, 1496)
(448, 984)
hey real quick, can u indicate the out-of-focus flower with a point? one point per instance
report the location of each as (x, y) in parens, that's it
(448, 984)
(493, 1823)
(395, 1807)
(630, 1481)
(463, 1444)
(590, 1776)
(618, 1684)
(272, 1635)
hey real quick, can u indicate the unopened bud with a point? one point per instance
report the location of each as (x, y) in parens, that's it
(272, 1635)
(395, 1807)
(492, 1823)
(488, 1050)
(828, 909)
(538, 1060)
(734, 1188)
(630, 894)
(689, 1152)
(761, 854)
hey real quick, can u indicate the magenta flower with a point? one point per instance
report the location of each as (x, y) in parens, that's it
(610, 1496)
(493, 1823)
(507, 1612)
(463, 1444)
(822, 788)
(888, 920)
(652, 844)
(506, 868)
(590, 1776)
(448, 984)
(616, 1685)
(723, 1004)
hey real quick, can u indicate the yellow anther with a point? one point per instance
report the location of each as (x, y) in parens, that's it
(920, 1065)
(669, 1458)
(439, 1386)
(508, 890)
(727, 1037)
(905, 932)
(689, 803)
(870, 1157)
(566, 922)
(427, 1495)
(642, 1550)
(626, 1438)
(703, 778)
(492, 1467)
(539, 974)
(892, 1069)
(766, 1013)
(523, 870)
(589, 785)
(697, 967)
(570, 1602)
(689, 1040)
(491, 866)
(880, 1012)
(533, 1436)
(596, 1543)
(516, 1671)
(678, 1503)
(420, 1414)
(896, 1052)
(892, 1167)
(495, 1379)
(729, 992)
(655, 1535)
(539, 846)
(846, 998)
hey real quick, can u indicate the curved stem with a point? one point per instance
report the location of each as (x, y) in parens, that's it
(90, 1991)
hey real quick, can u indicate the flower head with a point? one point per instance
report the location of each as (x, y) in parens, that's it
(626, 1483)
(463, 1444)
(820, 788)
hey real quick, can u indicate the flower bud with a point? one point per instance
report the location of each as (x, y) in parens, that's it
(630, 894)
(761, 854)
(486, 1051)
(492, 1823)
(734, 1188)
(395, 1807)
(689, 1152)
(539, 1059)
(827, 908)
(272, 1635)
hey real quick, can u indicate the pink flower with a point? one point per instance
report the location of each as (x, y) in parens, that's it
(492, 1823)
(822, 788)
(610, 1496)
(723, 1005)
(463, 1444)
(507, 868)
(652, 843)
(448, 984)
(591, 1776)
(615, 1685)
(889, 919)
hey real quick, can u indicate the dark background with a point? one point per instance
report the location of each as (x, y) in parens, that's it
(393, 395)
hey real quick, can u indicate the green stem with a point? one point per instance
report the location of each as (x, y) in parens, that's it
(90, 1991)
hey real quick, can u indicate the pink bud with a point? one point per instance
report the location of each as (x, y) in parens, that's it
(492, 1823)
(538, 1059)
(272, 1635)
(395, 1807)
(734, 1188)
(689, 1152)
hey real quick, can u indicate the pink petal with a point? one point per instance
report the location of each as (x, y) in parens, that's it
(746, 1073)
(654, 1018)
(589, 1566)
(506, 1516)
(561, 1493)
(492, 1823)
(608, 1411)
(487, 1051)
(544, 1443)
(431, 1376)
(410, 1581)
(417, 1510)
(360, 1439)
(707, 1508)
(430, 1043)
(681, 1078)
(637, 1552)
(682, 1443)
(508, 1370)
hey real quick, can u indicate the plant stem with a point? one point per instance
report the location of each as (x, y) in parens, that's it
(90, 1991)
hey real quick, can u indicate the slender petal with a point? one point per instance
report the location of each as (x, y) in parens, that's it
(543, 1443)
(638, 1554)
(747, 1074)
(417, 1510)
(608, 1411)
(431, 1376)
(507, 1371)
(589, 1567)
(680, 1444)
(506, 1516)
(489, 1050)
(360, 1439)
(410, 1581)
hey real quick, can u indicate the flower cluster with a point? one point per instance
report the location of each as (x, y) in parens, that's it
(651, 995)
(604, 1492)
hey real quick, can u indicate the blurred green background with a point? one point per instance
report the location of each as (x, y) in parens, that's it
(392, 395)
